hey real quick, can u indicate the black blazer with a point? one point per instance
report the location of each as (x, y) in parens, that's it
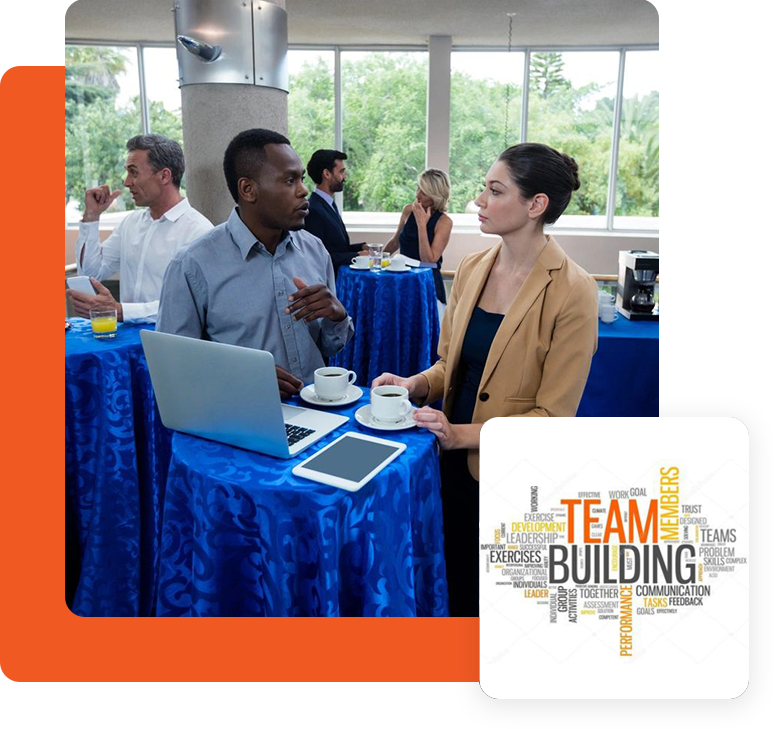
(324, 222)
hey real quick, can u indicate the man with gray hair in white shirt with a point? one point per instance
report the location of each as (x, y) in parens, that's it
(143, 243)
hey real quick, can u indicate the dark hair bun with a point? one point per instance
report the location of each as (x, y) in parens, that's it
(537, 168)
(573, 166)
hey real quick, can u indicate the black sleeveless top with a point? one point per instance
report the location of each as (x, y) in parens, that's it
(409, 246)
(481, 331)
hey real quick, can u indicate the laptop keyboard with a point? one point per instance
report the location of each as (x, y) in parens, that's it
(296, 433)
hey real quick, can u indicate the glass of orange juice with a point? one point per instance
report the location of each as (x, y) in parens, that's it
(104, 322)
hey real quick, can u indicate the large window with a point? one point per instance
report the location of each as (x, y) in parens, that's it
(102, 110)
(163, 92)
(571, 103)
(486, 96)
(311, 123)
(636, 202)
(384, 97)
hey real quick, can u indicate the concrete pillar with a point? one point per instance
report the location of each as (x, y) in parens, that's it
(212, 115)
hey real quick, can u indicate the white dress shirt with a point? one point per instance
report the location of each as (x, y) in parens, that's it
(140, 248)
(325, 196)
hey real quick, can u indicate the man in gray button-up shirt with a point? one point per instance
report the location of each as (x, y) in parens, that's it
(259, 280)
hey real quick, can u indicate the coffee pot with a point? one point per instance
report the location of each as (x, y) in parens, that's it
(637, 272)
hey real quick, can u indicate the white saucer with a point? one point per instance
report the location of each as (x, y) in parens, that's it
(364, 417)
(353, 395)
(397, 270)
(357, 268)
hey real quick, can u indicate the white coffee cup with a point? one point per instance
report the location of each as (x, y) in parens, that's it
(607, 313)
(390, 403)
(398, 263)
(361, 262)
(331, 383)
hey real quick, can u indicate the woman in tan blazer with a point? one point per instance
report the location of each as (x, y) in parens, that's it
(517, 339)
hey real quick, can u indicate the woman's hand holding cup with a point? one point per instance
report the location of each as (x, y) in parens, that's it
(417, 385)
(387, 378)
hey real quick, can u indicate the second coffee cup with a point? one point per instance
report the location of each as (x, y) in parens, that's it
(398, 263)
(390, 403)
(331, 383)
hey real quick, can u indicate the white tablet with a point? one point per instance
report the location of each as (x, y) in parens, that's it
(351, 461)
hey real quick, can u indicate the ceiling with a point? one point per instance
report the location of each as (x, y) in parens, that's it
(399, 22)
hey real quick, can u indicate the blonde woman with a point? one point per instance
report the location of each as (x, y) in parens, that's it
(424, 229)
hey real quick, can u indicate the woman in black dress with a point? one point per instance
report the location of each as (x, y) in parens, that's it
(424, 229)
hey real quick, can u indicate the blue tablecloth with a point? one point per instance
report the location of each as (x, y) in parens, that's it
(116, 460)
(665, 359)
(243, 536)
(396, 322)
(623, 381)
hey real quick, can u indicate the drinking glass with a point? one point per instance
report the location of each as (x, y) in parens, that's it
(375, 254)
(104, 322)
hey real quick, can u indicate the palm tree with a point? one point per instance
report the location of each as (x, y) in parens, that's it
(91, 74)
(95, 65)
(639, 116)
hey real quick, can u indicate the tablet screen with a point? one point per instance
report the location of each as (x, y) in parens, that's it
(350, 458)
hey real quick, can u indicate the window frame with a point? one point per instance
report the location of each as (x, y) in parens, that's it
(622, 50)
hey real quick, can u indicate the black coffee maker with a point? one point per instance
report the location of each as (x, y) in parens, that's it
(637, 271)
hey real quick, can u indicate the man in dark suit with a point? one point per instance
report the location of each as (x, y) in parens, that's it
(327, 170)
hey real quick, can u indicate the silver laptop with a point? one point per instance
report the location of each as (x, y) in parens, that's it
(228, 394)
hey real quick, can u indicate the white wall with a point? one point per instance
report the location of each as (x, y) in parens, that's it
(597, 252)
